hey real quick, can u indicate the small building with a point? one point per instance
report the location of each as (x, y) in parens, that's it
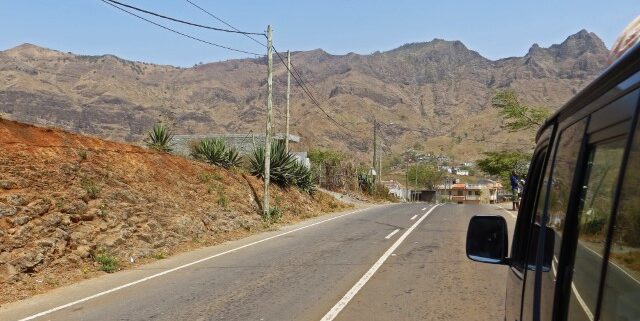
(301, 157)
(464, 193)
(395, 188)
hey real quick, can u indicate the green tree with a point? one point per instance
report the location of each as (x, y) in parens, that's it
(325, 157)
(502, 163)
(427, 175)
(517, 115)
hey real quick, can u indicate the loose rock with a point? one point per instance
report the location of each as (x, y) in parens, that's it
(21, 220)
(5, 184)
(7, 210)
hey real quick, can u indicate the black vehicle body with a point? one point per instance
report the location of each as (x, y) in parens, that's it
(575, 251)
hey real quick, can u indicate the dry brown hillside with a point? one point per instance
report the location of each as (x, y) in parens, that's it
(66, 199)
(439, 87)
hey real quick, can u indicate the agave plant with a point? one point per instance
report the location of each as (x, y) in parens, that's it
(210, 150)
(282, 164)
(304, 179)
(284, 171)
(159, 138)
(232, 158)
(216, 152)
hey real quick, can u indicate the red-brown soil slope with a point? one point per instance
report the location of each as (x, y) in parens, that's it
(66, 199)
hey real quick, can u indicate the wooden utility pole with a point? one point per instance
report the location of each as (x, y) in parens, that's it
(416, 181)
(380, 165)
(375, 146)
(406, 182)
(286, 140)
(267, 148)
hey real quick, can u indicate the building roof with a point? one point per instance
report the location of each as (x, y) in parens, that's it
(458, 186)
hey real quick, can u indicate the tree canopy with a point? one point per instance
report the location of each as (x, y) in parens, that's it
(518, 116)
(502, 163)
(427, 175)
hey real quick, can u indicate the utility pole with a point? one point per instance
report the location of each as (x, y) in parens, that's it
(286, 140)
(267, 149)
(416, 181)
(406, 182)
(380, 166)
(375, 145)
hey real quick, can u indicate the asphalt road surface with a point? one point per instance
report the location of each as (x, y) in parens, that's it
(393, 262)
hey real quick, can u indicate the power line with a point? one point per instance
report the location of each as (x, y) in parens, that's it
(227, 24)
(183, 21)
(178, 32)
(298, 78)
(313, 99)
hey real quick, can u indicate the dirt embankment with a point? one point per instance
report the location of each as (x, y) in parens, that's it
(68, 201)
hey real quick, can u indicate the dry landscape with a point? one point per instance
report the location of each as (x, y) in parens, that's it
(441, 88)
(72, 205)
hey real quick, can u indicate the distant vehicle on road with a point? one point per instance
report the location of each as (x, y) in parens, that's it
(575, 253)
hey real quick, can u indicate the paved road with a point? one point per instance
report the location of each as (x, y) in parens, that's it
(622, 290)
(302, 272)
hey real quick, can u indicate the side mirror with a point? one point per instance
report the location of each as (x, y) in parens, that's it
(487, 239)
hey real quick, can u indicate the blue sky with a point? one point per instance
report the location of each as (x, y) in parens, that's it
(496, 29)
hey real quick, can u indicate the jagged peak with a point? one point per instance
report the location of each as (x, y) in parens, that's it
(535, 49)
(582, 40)
(574, 45)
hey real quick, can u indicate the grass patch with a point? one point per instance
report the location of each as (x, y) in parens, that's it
(90, 187)
(223, 200)
(102, 211)
(630, 259)
(108, 263)
(83, 154)
(274, 216)
(207, 177)
(158, 255)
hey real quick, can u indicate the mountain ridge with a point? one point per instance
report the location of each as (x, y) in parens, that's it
(440, 88)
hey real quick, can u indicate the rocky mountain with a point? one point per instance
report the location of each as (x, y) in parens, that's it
(436, 95)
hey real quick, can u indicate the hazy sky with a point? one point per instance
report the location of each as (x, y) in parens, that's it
(496, 29)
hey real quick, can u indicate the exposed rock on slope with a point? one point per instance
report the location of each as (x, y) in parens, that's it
(440, 87)
(66, 198)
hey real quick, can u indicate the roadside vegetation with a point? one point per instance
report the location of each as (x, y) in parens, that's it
(516, 117)
(216, 152)
(285, 171)
(336, 172)
(118, 206)
(160, 138)
(108, 263)
(500, 164)
(425, 174)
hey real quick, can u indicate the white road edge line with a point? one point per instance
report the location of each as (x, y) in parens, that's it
(575, 291)
(333, 313)
(613, 263)
(413, 217)
(58, 308)
(392, 234)
(504, 209)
